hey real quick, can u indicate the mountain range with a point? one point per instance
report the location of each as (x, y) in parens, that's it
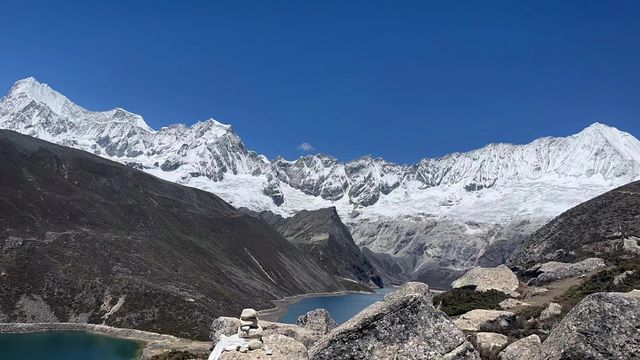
(440, 214)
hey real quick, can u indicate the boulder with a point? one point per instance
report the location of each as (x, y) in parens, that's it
(555, 270)
(489, 342)
(223, 325)
(552, 310)
(601, 326)
(228, 326)
(499, 278)
(485, 320)
(524, 349)
(303, 335)
(281, 348)
(510, 303)
(318, 320)
(405, 325)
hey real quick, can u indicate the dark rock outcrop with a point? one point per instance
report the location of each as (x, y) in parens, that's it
(403, 326)
(321, 234)
(601, 326)
(555, 270)
(84, 239)
(609, 223)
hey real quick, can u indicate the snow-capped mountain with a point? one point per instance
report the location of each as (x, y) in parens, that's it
(468, 198)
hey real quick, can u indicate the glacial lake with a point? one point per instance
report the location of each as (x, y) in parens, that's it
(66, 345)
(341, 307)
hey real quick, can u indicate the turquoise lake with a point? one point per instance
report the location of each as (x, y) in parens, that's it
(341, 307)
(66, 345)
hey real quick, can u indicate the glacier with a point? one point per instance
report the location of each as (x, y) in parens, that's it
(450, 211)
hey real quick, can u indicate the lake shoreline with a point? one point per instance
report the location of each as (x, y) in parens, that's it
(150, 343)
(282, 305)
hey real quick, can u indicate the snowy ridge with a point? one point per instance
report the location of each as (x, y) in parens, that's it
(495, 184)
(212, 156)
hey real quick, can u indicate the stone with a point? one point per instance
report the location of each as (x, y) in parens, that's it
(232, 348)
(253, 333)
(226, 326)
(535, 291)
(491, 342)
(405, 325)
(317, 320)
(485, 320)
(303, 335)
(244, 349)
(276, 347)
(555, 270)
(251, 323)
(528, 348)
(248, 314)
(499, 278)
(255, 344)
(552, 310)
(245, 327)
(510, 303)
(602, 326)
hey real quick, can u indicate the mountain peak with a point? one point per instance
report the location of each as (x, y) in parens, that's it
(42, 93)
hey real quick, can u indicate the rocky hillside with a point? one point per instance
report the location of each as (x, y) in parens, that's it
(607, 224)
(322, 235)
(438, 215)
(85, 239)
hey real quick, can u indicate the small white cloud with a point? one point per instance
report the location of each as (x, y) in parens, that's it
(306, 147)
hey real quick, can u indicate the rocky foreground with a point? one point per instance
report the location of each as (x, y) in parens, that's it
(407, 325)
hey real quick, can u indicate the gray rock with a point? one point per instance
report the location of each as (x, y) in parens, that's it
(524, 349)
(485, 320)
(248, 314)
(499, 278)
(601, 326)
(510, 303)
(276, 347)
(305, 336)
(317, 320)
(253, 333)
(491, 342)
(552, 310)
(405, 325)
(255, 344)
(250, 323)
(555, 270)
(223, 325)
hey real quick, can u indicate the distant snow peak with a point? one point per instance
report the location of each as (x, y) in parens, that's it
(211, 156)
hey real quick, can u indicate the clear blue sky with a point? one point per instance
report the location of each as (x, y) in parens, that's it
(398, 79)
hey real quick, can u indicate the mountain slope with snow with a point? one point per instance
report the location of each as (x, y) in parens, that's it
(447, 210)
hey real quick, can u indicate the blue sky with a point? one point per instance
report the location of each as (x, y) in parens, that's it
(399, 79)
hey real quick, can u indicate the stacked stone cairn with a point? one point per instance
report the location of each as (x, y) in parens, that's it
(251, 332)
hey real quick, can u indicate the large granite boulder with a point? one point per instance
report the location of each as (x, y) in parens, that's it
(524, 349)
(601, 326)
(405, 325)
(499, 278)
(318, 320)
(492, 343)
(228, 326)
(555, 270)
(485, 320)
(223, 325)
(276, 347)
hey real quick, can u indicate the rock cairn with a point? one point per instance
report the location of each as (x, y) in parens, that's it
(250, 332)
